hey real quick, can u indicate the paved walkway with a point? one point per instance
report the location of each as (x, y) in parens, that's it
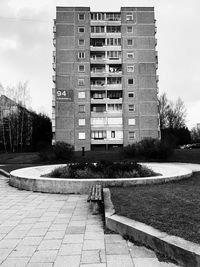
(44, 230)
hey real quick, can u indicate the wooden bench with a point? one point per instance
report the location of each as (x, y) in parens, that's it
(95, 197)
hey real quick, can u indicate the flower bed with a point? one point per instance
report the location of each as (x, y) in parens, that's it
(102, 169)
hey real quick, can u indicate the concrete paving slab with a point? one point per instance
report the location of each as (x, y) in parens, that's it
(50, 238)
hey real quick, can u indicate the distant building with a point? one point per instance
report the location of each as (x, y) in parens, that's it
(105, 64)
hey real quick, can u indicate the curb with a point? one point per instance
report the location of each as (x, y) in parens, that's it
(182, 251)
(7, 174)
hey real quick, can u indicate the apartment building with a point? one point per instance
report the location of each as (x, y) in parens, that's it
(105, 81)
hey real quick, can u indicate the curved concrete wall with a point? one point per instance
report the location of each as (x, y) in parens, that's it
(29, 179)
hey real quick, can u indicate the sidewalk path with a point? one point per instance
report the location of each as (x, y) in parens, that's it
(45, 230)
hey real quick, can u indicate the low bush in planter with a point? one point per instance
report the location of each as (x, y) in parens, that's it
(102, 169)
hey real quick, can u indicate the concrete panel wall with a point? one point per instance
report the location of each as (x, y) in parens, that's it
(145, 17)
(148, 108)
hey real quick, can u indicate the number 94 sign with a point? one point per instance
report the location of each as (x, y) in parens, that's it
(65, 95)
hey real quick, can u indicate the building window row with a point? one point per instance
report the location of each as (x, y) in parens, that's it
(108, 29)
(107, 42)
(101, 135)
(106, 16)
(102, 82)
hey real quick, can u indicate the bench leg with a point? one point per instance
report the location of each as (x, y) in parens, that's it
(95, 208)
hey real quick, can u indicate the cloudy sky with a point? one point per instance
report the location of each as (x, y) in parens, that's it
(26, 46)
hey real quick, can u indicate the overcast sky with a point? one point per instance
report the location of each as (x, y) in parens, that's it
(26, 46)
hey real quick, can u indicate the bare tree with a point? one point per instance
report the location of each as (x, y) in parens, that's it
(163, 110)
(172, 115)
(195, 134)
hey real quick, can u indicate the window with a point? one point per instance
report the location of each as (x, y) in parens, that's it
(131, 108)
(81, 16)
(114, 41)
(130, 55)
(131, 135)
(113, 29)
(131, 121)
(130, 68)
(114, 121)
(81, 29)
(81, 94)
(81, 54)
(81, 68)
(81, 82)
(81, 42)
(97, 29)
(81, 122)
(98, 134)
(114, 107)
(129, 41)
(129, 29)
(112, 134)
(130, 81)
(131, 94)
(81, 136)
(129, 16)
(81, 108)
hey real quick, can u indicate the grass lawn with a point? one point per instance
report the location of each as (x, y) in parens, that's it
(173, 207)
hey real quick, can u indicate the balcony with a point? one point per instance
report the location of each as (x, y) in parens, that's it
(54, 66)
(54, 78)
(54, 29)
(54, 41)
(106, 141)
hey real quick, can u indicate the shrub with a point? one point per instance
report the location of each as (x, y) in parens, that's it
(149, 148)
(63, 151)
(59, 152)
(102, 169)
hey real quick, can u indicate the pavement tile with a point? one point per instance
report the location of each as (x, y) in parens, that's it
(16, 234)
(23, 227)
(50, 244)
(120, 261)
(93, 244)
(114, 239)
(75, 230)
(77, 223)
(42, 225)
(58, 227)
(95, 228)
(54, 235)
(67, 261)
(70, 249)
(31, 241)
(94, 235)
(44, 256)
(37, 232)
(15, 262)
(42, 264)
(23, 251)
(9, 243)
(116, 248)
(29, 220)
(140, 252)
(5, 229)
(93, 265)
(61, 220)
(4, 252)
(73, 238)
(142, 262)
(93, 256)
